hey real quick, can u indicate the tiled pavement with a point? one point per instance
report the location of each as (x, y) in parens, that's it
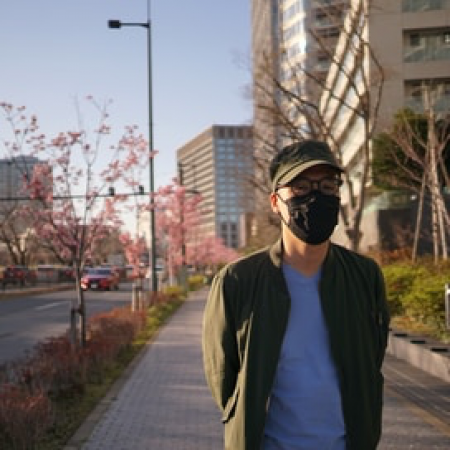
(163, 403)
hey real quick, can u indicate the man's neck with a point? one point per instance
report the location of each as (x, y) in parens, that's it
(305, 258)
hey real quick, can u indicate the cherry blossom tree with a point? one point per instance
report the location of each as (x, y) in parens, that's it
(178, 219)
(134, 248)
(72, 201)
(178, 216)
(213, 253)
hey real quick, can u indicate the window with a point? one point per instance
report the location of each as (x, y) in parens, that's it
(422, 5)
(414, 40)
(446, 38)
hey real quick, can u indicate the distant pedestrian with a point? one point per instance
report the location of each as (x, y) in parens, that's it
(294, 335)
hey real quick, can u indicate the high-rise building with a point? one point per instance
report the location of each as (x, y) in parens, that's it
(218, 164)
(12, 173)
(410, 42)
(290, 37)
(13, 195)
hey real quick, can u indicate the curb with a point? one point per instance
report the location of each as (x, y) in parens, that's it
(430, 356)
(13, 293)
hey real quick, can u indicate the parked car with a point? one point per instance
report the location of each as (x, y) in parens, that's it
(18, 275)
(101, 278)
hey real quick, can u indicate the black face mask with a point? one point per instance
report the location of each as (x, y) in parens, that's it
(312, 217)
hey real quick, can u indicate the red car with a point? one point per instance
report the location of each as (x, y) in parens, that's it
(101, 278)
(19, 275)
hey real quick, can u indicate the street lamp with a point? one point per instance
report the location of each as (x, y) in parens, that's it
(182, 219)
(116, 24)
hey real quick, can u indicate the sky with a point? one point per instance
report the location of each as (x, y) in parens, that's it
(54, 53)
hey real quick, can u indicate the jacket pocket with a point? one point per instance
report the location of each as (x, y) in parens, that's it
(230, 406)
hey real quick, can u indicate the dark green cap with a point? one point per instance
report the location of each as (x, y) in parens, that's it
(292, 160)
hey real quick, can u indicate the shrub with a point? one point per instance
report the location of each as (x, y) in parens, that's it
(24, 416)
(196, 282)
(399, 280)
(172, 292)
(110, 333)
(424, 302)
(56, 367)
(33, 388)
(417, 291)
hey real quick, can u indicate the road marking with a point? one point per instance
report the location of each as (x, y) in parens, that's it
(50, 305)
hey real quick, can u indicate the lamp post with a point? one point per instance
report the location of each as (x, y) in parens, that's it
(182, 224)
(116, 24)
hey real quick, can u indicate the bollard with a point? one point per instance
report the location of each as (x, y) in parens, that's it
(134, 298)
(447, 306)
(141, 298)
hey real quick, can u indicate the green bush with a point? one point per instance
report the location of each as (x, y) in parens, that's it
(417, 292)
(196, 282)
(424, 302)
(174, 291)
(399, 279)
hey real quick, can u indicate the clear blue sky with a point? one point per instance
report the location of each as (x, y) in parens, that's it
(53, 51)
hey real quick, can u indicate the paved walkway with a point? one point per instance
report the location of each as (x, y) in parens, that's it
(164, 404)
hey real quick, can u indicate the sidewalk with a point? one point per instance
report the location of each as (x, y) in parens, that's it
(163, 403)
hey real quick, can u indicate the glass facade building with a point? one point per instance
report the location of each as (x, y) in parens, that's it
(218, 164)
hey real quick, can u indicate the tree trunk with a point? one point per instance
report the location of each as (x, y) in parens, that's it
(78, 313)
(437, 222)
(419, 218)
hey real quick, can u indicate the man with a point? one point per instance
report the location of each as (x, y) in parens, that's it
(294, 335)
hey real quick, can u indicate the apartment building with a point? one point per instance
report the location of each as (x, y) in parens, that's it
(218, 164)
(410, 41)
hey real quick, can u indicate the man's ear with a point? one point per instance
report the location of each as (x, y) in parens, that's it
(274, 202)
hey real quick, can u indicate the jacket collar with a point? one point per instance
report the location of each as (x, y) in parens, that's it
(276, 253)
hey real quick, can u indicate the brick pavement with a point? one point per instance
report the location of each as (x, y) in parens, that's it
(164, 403)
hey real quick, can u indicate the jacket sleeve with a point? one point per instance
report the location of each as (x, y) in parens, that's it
(220, 354)
(382, 313)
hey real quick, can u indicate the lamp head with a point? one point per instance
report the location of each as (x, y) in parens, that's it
(114, 24)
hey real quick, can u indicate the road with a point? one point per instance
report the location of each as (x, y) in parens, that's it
(27, 320)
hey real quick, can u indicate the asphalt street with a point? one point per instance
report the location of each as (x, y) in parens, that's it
(29, 318)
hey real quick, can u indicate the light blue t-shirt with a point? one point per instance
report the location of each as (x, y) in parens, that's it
(305, 411)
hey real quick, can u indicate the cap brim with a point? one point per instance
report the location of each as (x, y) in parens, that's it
(297, 170)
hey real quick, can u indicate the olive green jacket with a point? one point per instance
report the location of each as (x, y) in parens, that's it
(244, 322)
